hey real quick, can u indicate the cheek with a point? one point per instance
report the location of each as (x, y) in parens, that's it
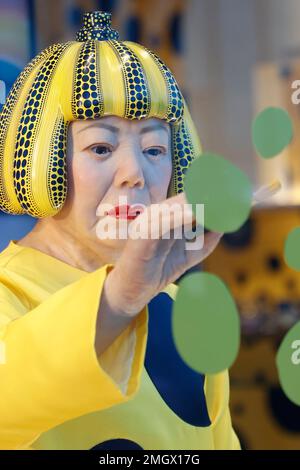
(90, 178)
(165, 171)
(160, 180)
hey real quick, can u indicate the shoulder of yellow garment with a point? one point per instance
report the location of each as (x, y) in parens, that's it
(171, 290)
(6, 255)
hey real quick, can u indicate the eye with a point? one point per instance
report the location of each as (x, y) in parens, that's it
(155, 152)
(101, 149)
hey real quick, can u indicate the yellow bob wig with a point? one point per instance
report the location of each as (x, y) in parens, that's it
(94, 76)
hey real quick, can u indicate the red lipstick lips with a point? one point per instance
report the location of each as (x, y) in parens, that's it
(126, 211)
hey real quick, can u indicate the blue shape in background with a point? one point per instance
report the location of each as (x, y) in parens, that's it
(181, 388)
(117, 444)
(14, 227)
(8, 74)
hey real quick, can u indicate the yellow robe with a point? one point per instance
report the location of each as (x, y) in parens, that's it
(56, 393)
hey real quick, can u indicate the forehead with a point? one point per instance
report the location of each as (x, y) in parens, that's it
(118, 124)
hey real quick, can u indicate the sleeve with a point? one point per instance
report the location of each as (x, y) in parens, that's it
(217, 398)
(49, 369)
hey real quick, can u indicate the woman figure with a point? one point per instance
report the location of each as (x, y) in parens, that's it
(88, 356)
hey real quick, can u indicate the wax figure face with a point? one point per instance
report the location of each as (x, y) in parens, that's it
(112, 157)
(51, 164)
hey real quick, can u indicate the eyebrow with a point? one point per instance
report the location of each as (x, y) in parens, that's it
(115, 130)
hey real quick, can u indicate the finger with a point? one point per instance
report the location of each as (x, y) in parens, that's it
(158, 220)
(211, 241)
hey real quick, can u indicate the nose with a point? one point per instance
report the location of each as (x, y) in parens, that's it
(130, 172)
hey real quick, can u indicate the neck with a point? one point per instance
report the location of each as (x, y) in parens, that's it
(65, 245)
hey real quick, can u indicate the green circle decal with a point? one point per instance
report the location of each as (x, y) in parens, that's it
(205, 323)
(292, 249)
(224, 189)
(288, 364)
(272, 131)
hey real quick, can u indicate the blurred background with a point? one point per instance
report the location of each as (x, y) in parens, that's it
(232, 59)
